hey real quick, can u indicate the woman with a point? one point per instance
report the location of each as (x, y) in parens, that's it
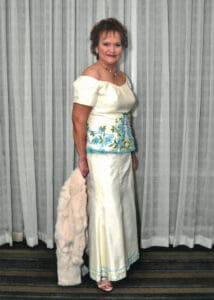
(106, 153)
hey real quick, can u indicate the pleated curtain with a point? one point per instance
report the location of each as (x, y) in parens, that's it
(44, 46)
(177, 194)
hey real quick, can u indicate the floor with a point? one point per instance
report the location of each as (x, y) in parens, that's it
(161, 273)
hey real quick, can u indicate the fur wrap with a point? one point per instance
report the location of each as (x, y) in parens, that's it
(70, 231)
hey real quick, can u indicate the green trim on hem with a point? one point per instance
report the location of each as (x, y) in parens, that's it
(114, 275)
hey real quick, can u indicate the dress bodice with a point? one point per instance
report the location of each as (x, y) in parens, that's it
(108, 126)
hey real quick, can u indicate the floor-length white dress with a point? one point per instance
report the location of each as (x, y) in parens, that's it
(113, 242)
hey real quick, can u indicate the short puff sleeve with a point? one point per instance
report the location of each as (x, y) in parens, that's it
(86, 90)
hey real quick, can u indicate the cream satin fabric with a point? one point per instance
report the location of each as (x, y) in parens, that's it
(104, 96)
(108, 125)
(113, 242)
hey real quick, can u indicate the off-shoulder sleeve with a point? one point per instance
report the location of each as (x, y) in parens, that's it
(86, 90)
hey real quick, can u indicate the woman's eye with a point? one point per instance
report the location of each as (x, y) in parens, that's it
(108, 44)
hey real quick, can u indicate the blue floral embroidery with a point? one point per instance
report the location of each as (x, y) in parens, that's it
(116, 140)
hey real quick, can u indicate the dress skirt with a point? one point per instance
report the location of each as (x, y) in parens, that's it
(113, 242)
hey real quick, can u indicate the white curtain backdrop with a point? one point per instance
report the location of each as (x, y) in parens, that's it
(44, 46)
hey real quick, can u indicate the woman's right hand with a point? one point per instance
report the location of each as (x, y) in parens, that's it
(83, 166)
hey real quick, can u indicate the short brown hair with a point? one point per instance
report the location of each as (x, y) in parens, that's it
(106, 25)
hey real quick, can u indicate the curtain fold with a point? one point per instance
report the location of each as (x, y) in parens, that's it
(156, 132)
(44, 46)
(186, 209)
(5, 212)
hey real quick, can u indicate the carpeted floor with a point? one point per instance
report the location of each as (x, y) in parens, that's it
(161, 273)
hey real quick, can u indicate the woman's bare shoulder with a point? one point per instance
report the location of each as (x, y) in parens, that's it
(92, 71)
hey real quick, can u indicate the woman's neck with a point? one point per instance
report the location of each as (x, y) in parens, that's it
(110, 68)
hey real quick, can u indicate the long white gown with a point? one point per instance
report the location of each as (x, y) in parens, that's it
(113, 243)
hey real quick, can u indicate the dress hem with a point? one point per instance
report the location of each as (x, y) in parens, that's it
(121, 274)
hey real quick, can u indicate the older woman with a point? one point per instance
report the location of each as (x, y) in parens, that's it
(105, 145)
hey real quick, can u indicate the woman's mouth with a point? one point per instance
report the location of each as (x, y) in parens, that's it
(112, 55)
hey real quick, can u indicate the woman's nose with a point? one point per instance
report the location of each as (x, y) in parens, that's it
(112, 48)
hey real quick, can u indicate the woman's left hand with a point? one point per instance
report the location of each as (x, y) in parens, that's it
(134, 161)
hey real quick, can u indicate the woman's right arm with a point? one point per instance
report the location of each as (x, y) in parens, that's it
(80, 114)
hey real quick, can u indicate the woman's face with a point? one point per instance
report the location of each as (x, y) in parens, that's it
(109, 47)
